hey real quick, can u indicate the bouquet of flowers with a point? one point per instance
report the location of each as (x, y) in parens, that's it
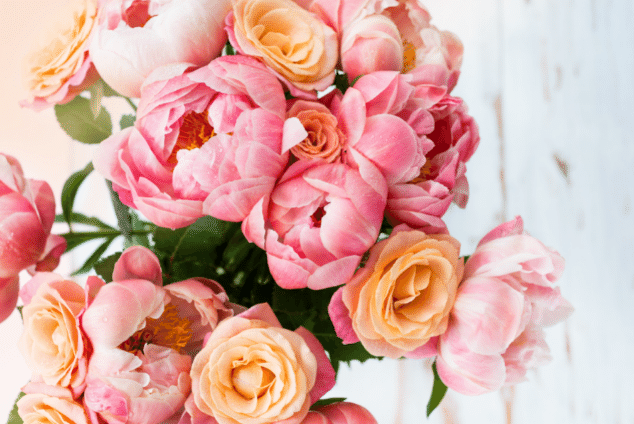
(280, 186)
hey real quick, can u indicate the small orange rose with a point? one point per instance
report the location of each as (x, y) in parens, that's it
(403, 295)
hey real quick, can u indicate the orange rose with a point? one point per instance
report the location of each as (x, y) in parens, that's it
(42, 409)
(60, 68)
(289, 39)
(403, 295)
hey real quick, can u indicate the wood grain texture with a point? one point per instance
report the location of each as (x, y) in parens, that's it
(551, 85)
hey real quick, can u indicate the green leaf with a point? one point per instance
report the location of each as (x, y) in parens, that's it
(14, 418)
(69, 191)
(92, 260)
(78, 238)
(127, 121)
(77, 120)
(202, 235)
(122, 212)
(325, 402)
(105, 266)
(341, 81)
(437, 392)
(79, 218)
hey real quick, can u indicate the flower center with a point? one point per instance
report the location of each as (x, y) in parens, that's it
(169, 330)
(137, 15)
(317, 216)
(194, 132)
(251, 380)
(409, 56)
(325, 140)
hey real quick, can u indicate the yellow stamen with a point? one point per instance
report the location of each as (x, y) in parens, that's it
(409, 56)
(194, 132)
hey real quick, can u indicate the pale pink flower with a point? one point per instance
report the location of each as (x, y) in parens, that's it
(188, 155)
(340, 413)
(53, 343)
(253, 370)
(422, 44)
(134, 37)
(318, 222)
(371, 44)
(27, 211)
(142, 334)
(61, 67)
(505, 299)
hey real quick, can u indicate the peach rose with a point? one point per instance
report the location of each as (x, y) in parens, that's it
(42, 409)
(52, 343)
(61, 68)
(324, 139)
(402, 297)
(254, 371)
(289, 39)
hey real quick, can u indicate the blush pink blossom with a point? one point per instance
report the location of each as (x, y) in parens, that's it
(142, 335)
(506, 298)
(191, 151)
(317, 223)
(27, 211)
(134, 37)
(371, 44)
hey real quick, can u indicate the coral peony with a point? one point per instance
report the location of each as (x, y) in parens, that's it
(207, 141)
(142, 335)
(27, 211)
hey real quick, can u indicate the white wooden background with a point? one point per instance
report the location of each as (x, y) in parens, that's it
(550, 83)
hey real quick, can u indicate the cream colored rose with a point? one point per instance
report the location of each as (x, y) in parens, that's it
(403, 295)
(289, 39)
(252, 372)
(42, 409)
(56, 71)
(52, 342)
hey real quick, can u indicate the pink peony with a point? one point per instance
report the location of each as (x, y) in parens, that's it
(422, 201)
(340, 413)
(206, 141)
(134, 37)
(318, 222)
(253, 370)
(142, 335)
(371, 44)
(505, 299)
(27, 211)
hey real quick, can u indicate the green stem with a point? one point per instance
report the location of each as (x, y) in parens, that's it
(131, 103)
